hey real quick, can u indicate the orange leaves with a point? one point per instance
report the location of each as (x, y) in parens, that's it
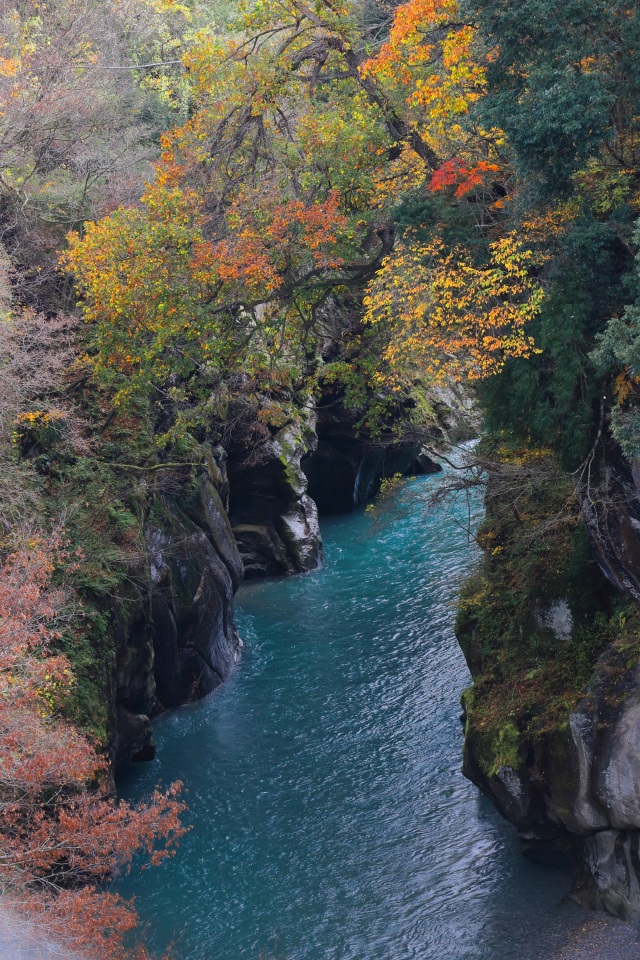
(410, 22)
(9, 67)
(269, 242)
(158, 281)
(429, 59)
(449, 317)
(240, 261)
(455, 173)
(546, 225)
(56, 835)
(624, 387)
(313, 230)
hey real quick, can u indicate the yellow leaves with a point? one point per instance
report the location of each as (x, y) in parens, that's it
(169, 6)
(547, 225)
(9, 67)
(403, 173)
(35, 418)
(624, 387)
(429, 61)
(523, 456)
(450, 317)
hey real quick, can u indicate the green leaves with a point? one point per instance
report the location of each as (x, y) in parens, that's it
(563, 81)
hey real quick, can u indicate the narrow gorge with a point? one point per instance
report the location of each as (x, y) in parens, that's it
(329, 813)
(319, 478)
(247, 515)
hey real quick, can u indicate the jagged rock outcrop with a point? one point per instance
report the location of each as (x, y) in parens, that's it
(274, 520)
(574, 793)
(176, 637)
(195, 571)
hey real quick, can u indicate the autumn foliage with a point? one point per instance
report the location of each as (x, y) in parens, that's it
(430, 62)
(449, 318)
(365, 198)
(62, 835)
(272, 198)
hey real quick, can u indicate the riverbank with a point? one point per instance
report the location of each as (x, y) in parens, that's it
(602, 938)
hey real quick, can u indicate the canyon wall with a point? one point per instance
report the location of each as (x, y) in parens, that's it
(551, 632)
(248, 512)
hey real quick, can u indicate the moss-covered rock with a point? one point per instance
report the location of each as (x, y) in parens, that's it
(552, 722)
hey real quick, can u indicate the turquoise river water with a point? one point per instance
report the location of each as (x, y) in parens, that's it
(330, 818)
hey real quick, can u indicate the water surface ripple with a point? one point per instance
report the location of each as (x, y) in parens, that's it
(330, 818)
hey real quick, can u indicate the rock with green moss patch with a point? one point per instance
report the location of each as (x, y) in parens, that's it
(275, 522)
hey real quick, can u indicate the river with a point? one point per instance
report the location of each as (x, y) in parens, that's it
(330, 818)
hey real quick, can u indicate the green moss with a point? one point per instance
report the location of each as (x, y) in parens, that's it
(290, 475)
(90, 651)
(527, 680)
(505, 747)
(423, 413)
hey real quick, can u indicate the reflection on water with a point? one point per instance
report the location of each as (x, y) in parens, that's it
(330, 819)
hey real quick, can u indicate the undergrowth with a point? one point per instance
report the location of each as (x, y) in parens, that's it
(536, 555)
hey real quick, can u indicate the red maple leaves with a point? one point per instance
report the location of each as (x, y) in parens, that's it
(465, 179)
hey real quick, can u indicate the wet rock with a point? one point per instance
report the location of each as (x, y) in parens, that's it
(134, 694)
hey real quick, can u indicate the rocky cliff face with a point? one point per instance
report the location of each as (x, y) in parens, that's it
(612, 514)
(347, 463)
(574, 791)
(552, 725)
(176, 639)
(274, 520)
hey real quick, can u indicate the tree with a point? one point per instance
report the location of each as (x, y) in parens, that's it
(278, 195)
(449, 318)
(78, 121)
(36, 355)
(563, 83)
(62, 835)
